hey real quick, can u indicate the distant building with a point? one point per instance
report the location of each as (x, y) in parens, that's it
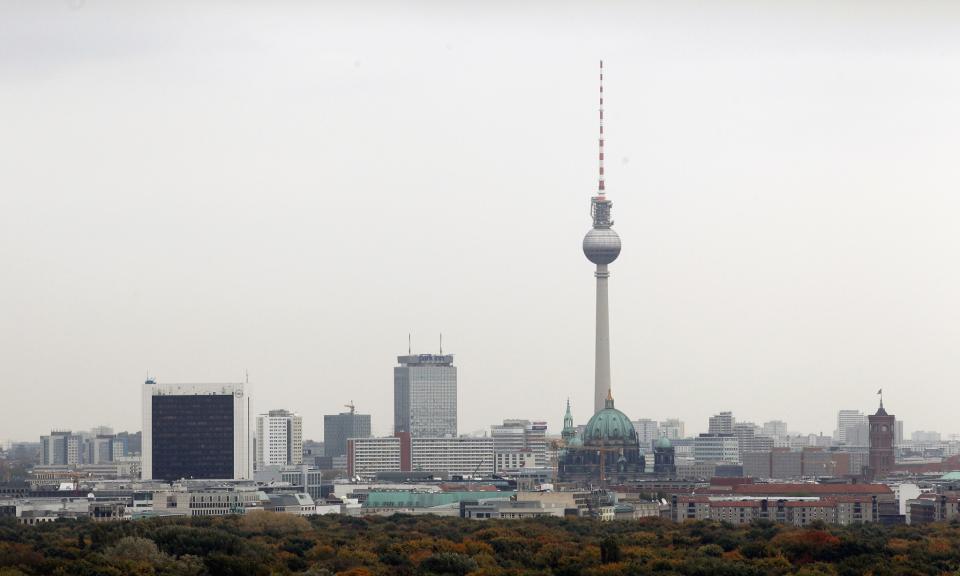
(279, 439)
(647, 432)
(776, 429)
(404, 453)
(61, 448)
(881, 442)
(337, 428)
(608, 450)
(845, 420)
(194, 431)
(715, 447)
(672, 429)
(207, 501)
(924, 436)
(749, 440)
(664, 458)
(102, 449)
(857, 434)
(425, 395)
(515, 437)
(721, 423)
(368, 456)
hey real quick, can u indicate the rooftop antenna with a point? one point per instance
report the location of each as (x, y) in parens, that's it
(601, 189)
(441, 343)
(409, 345)
(246, 376)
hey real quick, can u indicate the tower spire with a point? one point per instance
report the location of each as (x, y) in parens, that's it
(600, 185)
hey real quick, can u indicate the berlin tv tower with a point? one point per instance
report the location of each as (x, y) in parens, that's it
(601, 246)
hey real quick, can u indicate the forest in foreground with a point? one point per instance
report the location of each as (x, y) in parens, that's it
(265, 543)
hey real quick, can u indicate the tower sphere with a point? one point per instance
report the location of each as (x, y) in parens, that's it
(601, 245)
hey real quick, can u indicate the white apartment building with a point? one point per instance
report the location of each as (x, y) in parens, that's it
(279, 439)
(462, 455)
(716, 448)
(367, 456)
(848, 419)
(672, 429)
(648, 431)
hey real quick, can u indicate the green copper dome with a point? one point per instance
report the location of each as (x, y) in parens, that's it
(609, 426)
(663, 442)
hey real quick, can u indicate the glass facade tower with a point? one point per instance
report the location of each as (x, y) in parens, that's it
(194, 431)
(425, 395)
(338, 428)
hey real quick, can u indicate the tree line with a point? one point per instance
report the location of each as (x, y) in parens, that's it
(266, 543)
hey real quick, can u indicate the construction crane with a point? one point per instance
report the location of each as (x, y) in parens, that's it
(477, 469)
(350, 406)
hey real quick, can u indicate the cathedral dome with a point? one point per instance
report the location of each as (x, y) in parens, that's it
(663, 442)
(610, 426)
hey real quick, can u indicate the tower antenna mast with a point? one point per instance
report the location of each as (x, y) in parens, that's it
(600, 185)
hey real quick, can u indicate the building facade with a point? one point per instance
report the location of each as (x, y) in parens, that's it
(279, 439)
(61, 448)
(402, 452)
(716, 447)
(425, 395)
(338, 428)
(882, 430)
(721, 423)
(517, 437)
(848, 419)
(195, 431)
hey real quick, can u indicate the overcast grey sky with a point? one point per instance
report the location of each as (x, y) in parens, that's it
(290, 188)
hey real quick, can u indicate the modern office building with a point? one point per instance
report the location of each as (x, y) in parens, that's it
(61, 448)
(195, 431)
(515, 437)
(647, 432)
(848, 419)
(403, 453)
(279, 439)
(425, 395)
(101, 449)
(716, 448)
(672, 429)
(337, 428)
(721, 423)
(776, 429)
(367, 457)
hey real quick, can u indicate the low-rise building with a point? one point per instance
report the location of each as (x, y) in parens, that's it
(798, 504)
(182, 501)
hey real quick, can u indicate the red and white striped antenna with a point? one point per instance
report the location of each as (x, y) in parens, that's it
(601, 188)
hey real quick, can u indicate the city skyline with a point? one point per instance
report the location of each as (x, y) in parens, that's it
(791, 235)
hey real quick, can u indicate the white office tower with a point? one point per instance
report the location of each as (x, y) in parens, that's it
(425, 395)
(279, 439)
(195, 431)
(672, 429)
(850, 422)
(648, 431)
(721, 423)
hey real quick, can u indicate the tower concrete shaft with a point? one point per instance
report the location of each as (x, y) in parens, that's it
(601, 377)
(601, 246)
